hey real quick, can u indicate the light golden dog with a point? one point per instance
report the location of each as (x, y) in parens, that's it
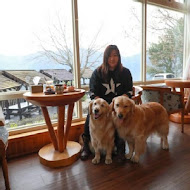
(135, 123)
(101, 129)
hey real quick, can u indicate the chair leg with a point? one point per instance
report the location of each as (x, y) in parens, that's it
(5, 173)
(182, 120)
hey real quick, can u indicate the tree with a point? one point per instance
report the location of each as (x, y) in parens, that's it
(58, 49)
(166, 56)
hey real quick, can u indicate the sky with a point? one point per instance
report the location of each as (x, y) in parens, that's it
(115, 21)
(24, 22)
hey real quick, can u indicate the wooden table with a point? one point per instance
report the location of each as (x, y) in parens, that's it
(181, 84)
(60, 152)
(178, 84)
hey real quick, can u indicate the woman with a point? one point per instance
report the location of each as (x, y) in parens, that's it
(109, 80)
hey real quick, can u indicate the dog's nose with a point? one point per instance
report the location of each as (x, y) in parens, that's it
(120, 116)
(96, 110)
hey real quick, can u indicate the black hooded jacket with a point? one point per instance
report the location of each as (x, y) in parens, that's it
(116, 85)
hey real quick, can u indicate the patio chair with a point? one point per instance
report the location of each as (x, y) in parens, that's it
(137, 92)
(167, 97)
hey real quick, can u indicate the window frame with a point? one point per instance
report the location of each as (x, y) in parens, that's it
(174, 6)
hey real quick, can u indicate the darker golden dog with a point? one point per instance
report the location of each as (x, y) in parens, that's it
(101, 129)
(135, 123)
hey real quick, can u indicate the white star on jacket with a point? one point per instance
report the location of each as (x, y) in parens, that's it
(112, 84)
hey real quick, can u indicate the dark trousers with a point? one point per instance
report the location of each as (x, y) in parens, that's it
(119, 143)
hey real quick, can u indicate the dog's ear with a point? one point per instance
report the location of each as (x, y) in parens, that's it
(112, 105)
(90, 107)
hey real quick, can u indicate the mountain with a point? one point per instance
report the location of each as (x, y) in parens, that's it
(133, 63)
(30, 62)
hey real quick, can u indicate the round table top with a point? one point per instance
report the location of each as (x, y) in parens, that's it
(41, 99)
(178, 83)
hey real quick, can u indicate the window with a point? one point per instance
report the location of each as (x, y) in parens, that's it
(165, 39)
(120, 24)
(102, 23)
(36, 40)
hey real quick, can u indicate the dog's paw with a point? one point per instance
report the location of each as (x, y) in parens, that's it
(128, 156)
(95, 161)
(135, 159)
(108, 161)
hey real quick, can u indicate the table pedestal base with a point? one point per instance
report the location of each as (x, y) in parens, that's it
(52, 158)
(176, 118)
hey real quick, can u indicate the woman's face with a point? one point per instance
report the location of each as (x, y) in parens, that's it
(113, 60)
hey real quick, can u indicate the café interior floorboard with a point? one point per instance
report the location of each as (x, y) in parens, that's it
(158, 170)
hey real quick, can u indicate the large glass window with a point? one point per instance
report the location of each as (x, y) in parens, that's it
(102, 23)
(35, 40)
(109, 22)
(165, 39)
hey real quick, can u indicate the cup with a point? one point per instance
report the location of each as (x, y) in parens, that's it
(49, 84)
(59, 89)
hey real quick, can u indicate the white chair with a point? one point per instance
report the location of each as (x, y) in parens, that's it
(136, 96)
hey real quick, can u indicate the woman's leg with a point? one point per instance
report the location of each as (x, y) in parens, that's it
(120, 145)
(86, 127)
(86, 139)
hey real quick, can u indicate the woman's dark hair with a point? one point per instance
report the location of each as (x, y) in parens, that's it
(103, 69)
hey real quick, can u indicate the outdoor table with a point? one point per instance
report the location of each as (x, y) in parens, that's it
(60, 152)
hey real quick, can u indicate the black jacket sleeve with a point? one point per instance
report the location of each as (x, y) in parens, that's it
(94, 85)
(128, 83)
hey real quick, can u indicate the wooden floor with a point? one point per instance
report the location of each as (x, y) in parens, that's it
(158, 170)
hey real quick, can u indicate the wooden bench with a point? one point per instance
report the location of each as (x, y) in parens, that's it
(20, 108)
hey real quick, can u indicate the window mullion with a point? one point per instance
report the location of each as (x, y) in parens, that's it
(76, 53)
(144, 32)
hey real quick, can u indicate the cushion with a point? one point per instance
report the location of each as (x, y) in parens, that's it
(4, 134)
(172, 102)
(150, 96)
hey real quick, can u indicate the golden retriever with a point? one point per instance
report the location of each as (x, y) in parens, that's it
(135, 123)
(101, 129)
